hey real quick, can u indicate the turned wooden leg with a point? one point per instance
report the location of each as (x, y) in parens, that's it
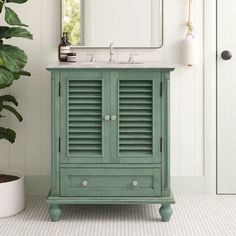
(54, 212)
(165, 212)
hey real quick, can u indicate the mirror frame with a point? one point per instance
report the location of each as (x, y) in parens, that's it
(148, 47)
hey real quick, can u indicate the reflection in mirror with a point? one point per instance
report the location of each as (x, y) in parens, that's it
(126, 23)
(71, 16)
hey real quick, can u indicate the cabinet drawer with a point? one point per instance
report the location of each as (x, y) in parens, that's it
(110, 182)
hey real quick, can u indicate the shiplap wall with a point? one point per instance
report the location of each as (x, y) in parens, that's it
(31, 151)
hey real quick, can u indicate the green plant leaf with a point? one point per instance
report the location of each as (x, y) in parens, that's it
(6, 78)
(7, 134)
(1, 5)
(9, 32)
(14, 111)
(12, 62)
(8, 98)
(12, 58)
(17, 1)
(12, 18)
(25, 73)
(18, 74)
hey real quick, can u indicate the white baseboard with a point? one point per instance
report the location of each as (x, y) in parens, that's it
(40, 184)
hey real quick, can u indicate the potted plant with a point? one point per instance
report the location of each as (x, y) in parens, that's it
(12, 62)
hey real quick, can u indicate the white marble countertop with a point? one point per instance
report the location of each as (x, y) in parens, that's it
(107, 65)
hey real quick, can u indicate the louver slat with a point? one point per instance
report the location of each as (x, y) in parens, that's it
(135, 117)
(85, 117)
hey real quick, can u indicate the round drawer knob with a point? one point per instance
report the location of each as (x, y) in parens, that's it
(106, 117)
(135, 183)
(84, 183)
(113, 117)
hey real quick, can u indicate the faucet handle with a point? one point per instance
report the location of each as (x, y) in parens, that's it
(91, 58)
(111, 60)
(131, 57)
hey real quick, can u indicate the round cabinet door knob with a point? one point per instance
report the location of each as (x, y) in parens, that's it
(135, 183)
(113, 117)
(106, 117)
(226, 55)
(84, 182)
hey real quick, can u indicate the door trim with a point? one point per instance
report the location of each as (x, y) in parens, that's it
(210, 96)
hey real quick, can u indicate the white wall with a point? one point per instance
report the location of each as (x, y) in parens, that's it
(31, 152)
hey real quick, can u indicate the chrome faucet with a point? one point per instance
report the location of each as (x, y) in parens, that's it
(131, 57)
(91, 57)
(111, 53)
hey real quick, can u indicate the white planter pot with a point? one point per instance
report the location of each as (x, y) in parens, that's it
(12, 194)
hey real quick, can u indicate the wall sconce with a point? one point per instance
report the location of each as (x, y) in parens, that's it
(190, 48)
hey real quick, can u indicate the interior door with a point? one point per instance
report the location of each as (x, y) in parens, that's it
(83, 130)
(139, 109)
(226, 97)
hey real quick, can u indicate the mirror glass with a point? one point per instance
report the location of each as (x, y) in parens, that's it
(125, 23)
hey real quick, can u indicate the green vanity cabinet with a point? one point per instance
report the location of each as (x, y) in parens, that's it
(110, 137)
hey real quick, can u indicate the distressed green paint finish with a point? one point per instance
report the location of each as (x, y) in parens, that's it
(144, 88)
(97, 85)
(165, 135)
(55, 111)
(110, 182)
(144, 93)
(123, 160)
(107, 140)
(114, 123)
(157, 124)
(165, 212)
(110, 200)
(109, 165)
(55, 212)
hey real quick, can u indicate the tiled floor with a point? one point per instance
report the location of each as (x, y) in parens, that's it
(200, 215)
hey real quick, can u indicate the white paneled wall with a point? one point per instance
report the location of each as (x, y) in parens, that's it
(31, 152)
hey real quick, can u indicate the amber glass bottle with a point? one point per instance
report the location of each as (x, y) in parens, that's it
(63, 48)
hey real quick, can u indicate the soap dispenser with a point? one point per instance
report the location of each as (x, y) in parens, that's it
(63, 48)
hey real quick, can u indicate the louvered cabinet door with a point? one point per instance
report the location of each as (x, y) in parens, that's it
(83, 108)
(139, 117)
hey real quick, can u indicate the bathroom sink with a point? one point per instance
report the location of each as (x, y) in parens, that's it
(112, 63)
(121, 63)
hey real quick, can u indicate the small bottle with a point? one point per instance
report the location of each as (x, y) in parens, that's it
(63, 48)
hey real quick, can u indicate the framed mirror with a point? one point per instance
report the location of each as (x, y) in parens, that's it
(125, 23)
